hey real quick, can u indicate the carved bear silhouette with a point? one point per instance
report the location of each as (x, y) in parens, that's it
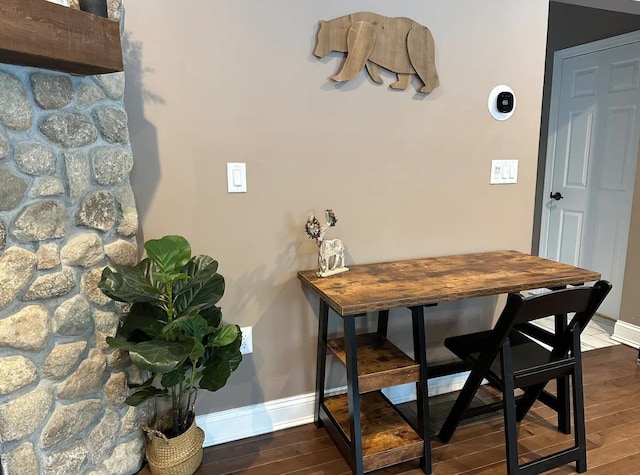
(399, 45)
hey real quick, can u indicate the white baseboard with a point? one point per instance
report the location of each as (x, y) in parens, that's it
(626, 333)
(249, 421)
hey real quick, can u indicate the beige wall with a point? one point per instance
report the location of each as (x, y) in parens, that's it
(407, 175)
(630, 304)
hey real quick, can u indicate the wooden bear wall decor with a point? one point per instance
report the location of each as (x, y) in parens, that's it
(399, 45)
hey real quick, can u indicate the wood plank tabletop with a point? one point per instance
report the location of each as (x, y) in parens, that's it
(407, 283)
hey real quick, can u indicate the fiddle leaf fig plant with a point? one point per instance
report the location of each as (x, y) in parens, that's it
(174, 329)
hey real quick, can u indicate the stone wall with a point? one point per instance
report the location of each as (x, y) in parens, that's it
(66, 210)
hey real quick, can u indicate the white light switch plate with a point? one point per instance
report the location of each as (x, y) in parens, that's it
(237, 177)
(504, 172)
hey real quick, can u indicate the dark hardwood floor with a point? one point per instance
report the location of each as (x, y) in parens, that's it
(612, 398)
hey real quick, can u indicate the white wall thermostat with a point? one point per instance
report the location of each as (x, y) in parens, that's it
(502, 102)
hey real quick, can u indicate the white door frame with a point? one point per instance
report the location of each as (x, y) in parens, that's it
(558, 58)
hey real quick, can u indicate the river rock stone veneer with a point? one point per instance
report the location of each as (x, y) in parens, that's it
(66, 211)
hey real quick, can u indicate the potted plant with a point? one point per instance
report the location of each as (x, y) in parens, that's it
(174, 331)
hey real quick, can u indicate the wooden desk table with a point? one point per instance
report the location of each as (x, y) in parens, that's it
(381, 437)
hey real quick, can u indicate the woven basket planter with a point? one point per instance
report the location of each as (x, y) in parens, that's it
(180, 455)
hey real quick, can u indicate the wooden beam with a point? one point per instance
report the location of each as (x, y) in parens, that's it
(50, 36)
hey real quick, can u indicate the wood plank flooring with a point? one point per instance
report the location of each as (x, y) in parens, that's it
(612, 398)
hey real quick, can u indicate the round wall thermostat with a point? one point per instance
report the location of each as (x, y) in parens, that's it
(502, 102)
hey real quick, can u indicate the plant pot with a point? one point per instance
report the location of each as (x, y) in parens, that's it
(181, 455)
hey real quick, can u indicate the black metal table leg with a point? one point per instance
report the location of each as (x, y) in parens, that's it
(321, 360)
(353, 394)
(422, 388)
(383, 322)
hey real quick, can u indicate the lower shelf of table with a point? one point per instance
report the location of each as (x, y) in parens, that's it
(380, 363)
(387, 439)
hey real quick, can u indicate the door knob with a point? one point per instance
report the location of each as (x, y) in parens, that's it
(556, 196)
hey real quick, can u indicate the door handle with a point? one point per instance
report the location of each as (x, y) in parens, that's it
(556, 196)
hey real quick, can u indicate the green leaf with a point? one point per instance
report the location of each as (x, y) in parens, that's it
(204, 287)
(141, 395)
(234, 346)
(189, 324)
(129, 284)
(230, 353)
(157, 356)
(224, 335)
(229, 349)
(197, 263)
(197, 350)
(212, 315)
(173, 378)
(144, 322)
(165, 278)
(215, 375)
(235, 360)
(228, 356)
(169, 253)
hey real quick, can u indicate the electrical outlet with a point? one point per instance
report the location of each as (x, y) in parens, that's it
(246, 346)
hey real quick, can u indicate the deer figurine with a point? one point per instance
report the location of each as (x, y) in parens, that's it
(330, 251)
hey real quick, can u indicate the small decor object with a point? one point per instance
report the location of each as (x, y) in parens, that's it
(400, 45)
(330, 252)
(174, 332)
(97, 7)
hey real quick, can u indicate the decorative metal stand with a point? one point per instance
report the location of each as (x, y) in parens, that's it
(331, 251)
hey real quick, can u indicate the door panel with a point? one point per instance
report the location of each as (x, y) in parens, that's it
(570, 237)
(577, 161)
(584, 82)
(624, 76)
(609, 236)
(618, 139)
